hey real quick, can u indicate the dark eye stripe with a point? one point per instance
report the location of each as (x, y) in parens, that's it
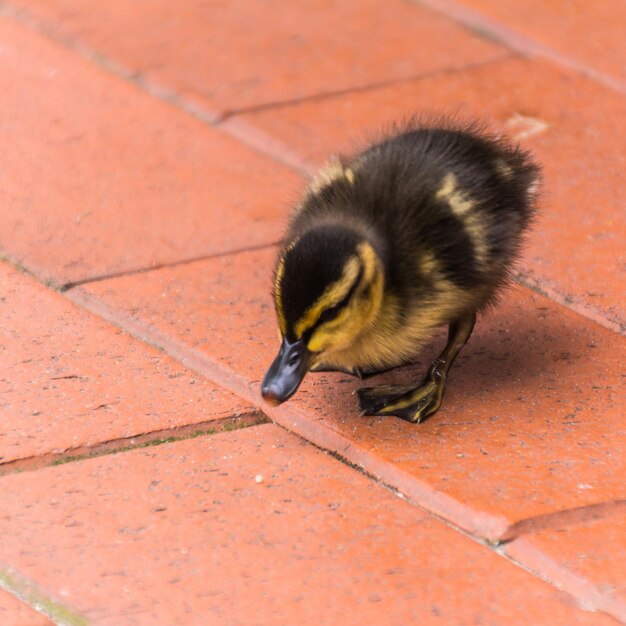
(331, 313)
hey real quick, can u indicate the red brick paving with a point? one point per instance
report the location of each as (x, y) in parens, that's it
(592, 34)
(194, 539)
(233, 55)
(588, 558)
(590, 552)
(69, 380)
(112, 179)
(110, 165)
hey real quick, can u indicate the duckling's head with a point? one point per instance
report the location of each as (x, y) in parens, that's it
(328, 289)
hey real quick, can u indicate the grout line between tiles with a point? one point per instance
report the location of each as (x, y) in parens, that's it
(330, 94)
(589, 313)
(240, 128)
(560, 520)
(537, 563)
(217, 119)
(142, 440)
(495, 31)
(494, 529)
(590, 597)
(157, 266)
(26, 591)
(160, 92)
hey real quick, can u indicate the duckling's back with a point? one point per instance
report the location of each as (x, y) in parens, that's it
(446, 207)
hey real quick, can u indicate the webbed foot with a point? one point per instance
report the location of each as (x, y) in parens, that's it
(413, 404)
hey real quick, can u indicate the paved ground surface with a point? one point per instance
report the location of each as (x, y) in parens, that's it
(150, 152)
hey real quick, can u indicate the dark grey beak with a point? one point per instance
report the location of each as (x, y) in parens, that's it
(286, 372)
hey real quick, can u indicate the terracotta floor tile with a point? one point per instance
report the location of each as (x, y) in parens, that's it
(590, 33)
(594, 552)
(531, 422)
(99, 177)
(242, 53)
(68, 379)
(184, 534)
(576, 128)
(14, 612)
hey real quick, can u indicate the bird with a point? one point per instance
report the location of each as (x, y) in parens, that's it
(419, 230)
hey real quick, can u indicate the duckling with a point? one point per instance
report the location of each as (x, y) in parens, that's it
(417, 231)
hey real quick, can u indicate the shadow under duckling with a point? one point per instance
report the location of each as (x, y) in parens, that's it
(417, 231)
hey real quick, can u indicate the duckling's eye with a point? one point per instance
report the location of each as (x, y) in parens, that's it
(329, 314)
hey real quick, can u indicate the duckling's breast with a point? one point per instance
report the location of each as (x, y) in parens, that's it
(402, 328)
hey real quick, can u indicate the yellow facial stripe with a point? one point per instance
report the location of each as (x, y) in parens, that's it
(461, 205)
(278, 303)
(331, 296)
(336, 329)
(359, 312)
(340, 332)
(369, 260)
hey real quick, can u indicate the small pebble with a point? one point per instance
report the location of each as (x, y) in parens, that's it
(258, 478)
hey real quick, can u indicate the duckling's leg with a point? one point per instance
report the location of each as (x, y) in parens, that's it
(415, 404)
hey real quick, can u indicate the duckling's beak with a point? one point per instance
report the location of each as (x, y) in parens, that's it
(286, 372)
